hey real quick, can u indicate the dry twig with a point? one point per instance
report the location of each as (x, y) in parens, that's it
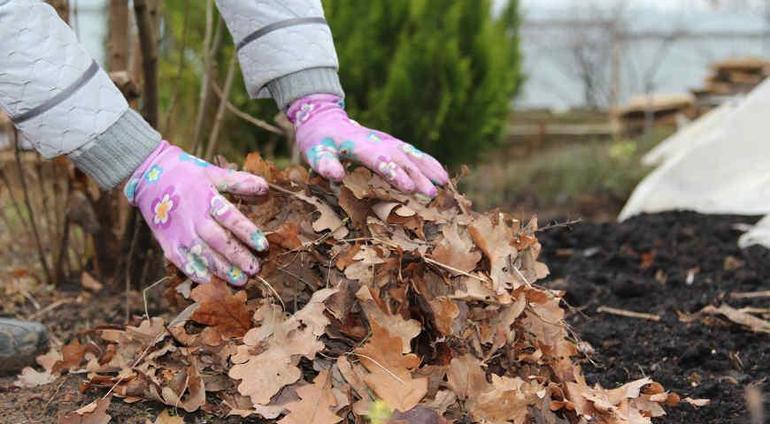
(627, 313)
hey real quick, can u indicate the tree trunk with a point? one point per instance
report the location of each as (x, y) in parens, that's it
(138, 244)
(62, 8)
(118, 44)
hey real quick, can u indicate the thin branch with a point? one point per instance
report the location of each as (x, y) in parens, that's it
(148, 43)
(245, 116)
(28, 204)
(180, 69)
(211, 44)
(219, 117)
(628, 314)
(565, 224)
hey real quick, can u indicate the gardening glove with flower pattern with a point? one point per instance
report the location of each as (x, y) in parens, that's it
(200, 231)
(325, 134)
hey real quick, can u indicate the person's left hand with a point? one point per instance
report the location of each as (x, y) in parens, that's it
(325, 134)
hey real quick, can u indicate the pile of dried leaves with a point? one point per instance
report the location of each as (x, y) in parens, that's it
(371, 305)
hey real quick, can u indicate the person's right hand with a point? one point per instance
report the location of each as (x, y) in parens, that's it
(200, 231)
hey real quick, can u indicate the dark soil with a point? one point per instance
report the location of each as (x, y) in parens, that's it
(642, 265)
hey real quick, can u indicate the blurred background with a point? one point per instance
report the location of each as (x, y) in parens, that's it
(544, 106)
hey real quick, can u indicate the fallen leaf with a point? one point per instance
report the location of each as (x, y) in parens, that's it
(90, 283)
(315, 404)
(93, 413)
(285, 341)
(456, 251)
(286, 236)
(166, 418)
(390, 372)
(466, 378)
(444, 313)
(327, 220)
(696, 402)
(737, 316)
(72, 355)
(31, 378)
(494, 239)
(506, 401)
(404, 329)
(221, 309)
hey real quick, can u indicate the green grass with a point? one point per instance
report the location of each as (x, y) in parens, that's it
(559, 177)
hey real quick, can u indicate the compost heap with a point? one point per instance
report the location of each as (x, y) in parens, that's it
(372, 304)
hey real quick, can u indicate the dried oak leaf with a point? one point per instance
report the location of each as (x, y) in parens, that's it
(221, 309)
(494, 239)
(279, 343)
(456, 250)
(738, 316)
(544, 320)
(506, 401)
(404, 329)
(365, 259)
(166, 418)
(390, 372)
(93, 413)
(315, 404)
(466, 378)
(189, 382)
(72, 355)
(286, 236)
(356, 209)
(29, 377)
(327, 220)
(444, 313)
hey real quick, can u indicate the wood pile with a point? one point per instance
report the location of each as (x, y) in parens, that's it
(730, 78)
(659, 109)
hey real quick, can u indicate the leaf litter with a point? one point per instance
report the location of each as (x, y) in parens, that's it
(371, 305)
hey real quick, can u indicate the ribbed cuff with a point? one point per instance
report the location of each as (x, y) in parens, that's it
(112, 156)
(291, 87)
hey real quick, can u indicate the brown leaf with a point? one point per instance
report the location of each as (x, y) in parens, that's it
(390, 372)
(166, 418)
(193, 386)
(286, 236)
(466, 378)
(404, 329)
(444, 312)
(327, 220)
(221, 309)
(93, 413)
(90, 283)
(283, 341)
(256, 165)
(507, 401)
(356, 209)
(494, 239)
(738, 316)
(455, 250)
(315, 406)
(72, 356)
(31, 378)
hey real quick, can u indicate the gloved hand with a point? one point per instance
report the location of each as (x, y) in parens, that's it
(200, 231)
(325, 134)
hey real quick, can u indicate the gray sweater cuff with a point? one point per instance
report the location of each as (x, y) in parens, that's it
(114, 155)
(291, 87)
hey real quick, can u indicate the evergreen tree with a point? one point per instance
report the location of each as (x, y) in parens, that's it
(439, 74)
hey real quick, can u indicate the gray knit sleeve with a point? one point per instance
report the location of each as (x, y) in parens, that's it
(291, 87)
(114, 155)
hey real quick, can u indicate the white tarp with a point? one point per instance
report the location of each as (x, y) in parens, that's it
(719, 164)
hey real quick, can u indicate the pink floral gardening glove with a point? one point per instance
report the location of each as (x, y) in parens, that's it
(325, 134)
(200, 231)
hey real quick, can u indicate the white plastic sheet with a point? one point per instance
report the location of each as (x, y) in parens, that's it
(719, 164)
